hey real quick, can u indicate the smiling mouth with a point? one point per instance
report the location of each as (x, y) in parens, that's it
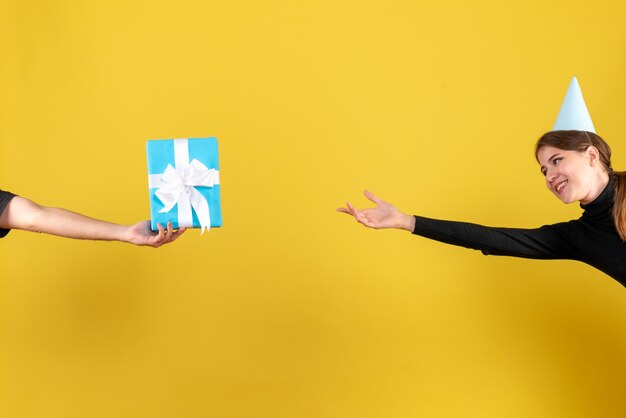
(559, 187)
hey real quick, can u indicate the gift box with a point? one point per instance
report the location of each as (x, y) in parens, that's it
(184, 183)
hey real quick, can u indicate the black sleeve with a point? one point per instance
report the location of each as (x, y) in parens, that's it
(558, 241)
(5, 198)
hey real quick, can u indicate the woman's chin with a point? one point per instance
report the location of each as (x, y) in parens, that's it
(565, 199)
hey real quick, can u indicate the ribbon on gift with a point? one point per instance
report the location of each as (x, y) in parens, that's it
(177, 186)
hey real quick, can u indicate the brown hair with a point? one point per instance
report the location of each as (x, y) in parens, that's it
(579, 141)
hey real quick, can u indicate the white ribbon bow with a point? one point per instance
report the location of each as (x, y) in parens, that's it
(178, 187)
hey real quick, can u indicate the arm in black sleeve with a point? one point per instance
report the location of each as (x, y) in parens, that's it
(547, 242)
(5, 198)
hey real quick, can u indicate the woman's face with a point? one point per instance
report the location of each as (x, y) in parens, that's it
(569, 174)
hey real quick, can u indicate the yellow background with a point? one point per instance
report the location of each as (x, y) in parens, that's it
(292, 309)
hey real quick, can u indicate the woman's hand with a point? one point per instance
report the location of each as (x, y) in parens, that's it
(141, 234)
(384, 215)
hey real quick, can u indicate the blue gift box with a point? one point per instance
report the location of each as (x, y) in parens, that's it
(184, 183)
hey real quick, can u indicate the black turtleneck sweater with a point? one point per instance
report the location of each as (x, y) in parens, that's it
(591, 239)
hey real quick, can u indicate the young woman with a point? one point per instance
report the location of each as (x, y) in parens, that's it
(577, 167)
(20, 213)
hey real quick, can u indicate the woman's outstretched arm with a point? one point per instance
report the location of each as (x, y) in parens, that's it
(24, 214)
(547, 242)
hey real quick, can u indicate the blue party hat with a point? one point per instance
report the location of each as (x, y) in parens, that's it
(574, 114)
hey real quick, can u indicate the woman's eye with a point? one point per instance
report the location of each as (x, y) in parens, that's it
(557, 160)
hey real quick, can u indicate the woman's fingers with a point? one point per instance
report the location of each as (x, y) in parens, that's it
(368, 216)
(359, 215)
(371, 197)
(352, 209)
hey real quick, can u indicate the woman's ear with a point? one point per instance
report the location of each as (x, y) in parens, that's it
(593, 155)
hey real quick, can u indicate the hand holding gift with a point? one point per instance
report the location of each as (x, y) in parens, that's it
(184, 192)
(20, 213)
(142, 234)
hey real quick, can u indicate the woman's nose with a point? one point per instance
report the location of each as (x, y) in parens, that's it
(551, 175)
